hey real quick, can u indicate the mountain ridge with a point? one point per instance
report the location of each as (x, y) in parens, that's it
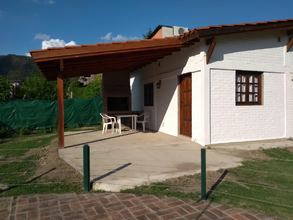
(17, 67)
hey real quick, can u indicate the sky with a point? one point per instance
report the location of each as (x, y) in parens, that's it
(35, 24)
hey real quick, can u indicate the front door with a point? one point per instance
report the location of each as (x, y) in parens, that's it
(185, 104)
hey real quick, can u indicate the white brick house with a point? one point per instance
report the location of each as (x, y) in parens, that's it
(241, 84)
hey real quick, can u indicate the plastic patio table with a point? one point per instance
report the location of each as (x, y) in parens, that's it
(133, 121)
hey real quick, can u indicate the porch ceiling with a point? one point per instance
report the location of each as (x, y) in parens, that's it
(103, 58)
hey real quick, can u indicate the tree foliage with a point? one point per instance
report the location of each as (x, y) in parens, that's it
(93, 89)
(5, 88)
(37, 87)
(32, 84)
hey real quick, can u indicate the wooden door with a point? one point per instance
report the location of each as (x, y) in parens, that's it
(185, 104)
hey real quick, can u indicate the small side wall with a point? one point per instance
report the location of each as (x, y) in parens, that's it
(165, 112)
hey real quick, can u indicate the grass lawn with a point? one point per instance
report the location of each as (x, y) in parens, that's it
(19, 162)
(265, 185)
(15, 147)
(261, 185)
(162, 189)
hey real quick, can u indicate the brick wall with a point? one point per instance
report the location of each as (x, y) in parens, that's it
(231, 123)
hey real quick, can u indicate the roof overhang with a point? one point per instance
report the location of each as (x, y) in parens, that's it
(102, 58)
(213, 31)
(128, 56)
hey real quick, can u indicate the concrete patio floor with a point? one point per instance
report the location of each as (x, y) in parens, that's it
(124, 161)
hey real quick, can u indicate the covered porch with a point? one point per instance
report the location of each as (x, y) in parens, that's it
(114, 60)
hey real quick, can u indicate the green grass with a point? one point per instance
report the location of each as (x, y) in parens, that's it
(162, 189)
(42, 188)
(17, 168)
(261, 185)
(17, 172)
(15, 147)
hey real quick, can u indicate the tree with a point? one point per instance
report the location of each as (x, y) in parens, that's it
(5, 88)
(148, 34)
(93, 89)
(37, 87)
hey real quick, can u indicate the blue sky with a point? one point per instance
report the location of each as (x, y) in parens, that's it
(25, 24)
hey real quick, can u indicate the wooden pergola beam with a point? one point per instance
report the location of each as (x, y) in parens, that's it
(60, 96)
(212, 45)
(290, 44)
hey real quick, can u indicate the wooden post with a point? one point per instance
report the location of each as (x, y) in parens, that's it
(212, 45)
(60, 96)
(290, 44)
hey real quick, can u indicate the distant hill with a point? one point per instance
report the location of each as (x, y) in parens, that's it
(17, 67)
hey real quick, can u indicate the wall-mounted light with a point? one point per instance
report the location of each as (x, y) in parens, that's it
(158, 84)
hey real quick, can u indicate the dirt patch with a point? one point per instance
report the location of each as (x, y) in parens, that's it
(51, 167)
(191, 183)
(245, 154)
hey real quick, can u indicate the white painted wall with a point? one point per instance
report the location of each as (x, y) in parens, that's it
(215, 117)
(165, 112)
(167, 106)
(230, 123)
(136, 88)
(256, 52)
(289, 104)
(197, 107)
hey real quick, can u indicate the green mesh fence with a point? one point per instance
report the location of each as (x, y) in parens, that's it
(41, 114)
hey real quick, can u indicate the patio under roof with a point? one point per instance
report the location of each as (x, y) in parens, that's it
(60, 63)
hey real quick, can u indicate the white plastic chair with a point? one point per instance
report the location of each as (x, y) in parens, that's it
(143, 119)
(108, 120)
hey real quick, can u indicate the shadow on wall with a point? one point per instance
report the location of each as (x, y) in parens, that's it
(247, 44)
(136, 93)
(168, 104)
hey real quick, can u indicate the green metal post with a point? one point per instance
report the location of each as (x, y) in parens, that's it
(203, 173)
(86, 168)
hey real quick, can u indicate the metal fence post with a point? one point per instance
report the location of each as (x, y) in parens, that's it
(86, 168)
(203, 173)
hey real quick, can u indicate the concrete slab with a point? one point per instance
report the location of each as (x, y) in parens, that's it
(131, 159)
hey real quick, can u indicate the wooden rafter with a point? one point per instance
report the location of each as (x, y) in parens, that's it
(290, 44)
(212, 45)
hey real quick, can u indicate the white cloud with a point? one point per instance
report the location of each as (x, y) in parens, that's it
(41, 36)
(119, 37)
(48, 42)
(107, 37)
(27, 54)
(56, 43)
